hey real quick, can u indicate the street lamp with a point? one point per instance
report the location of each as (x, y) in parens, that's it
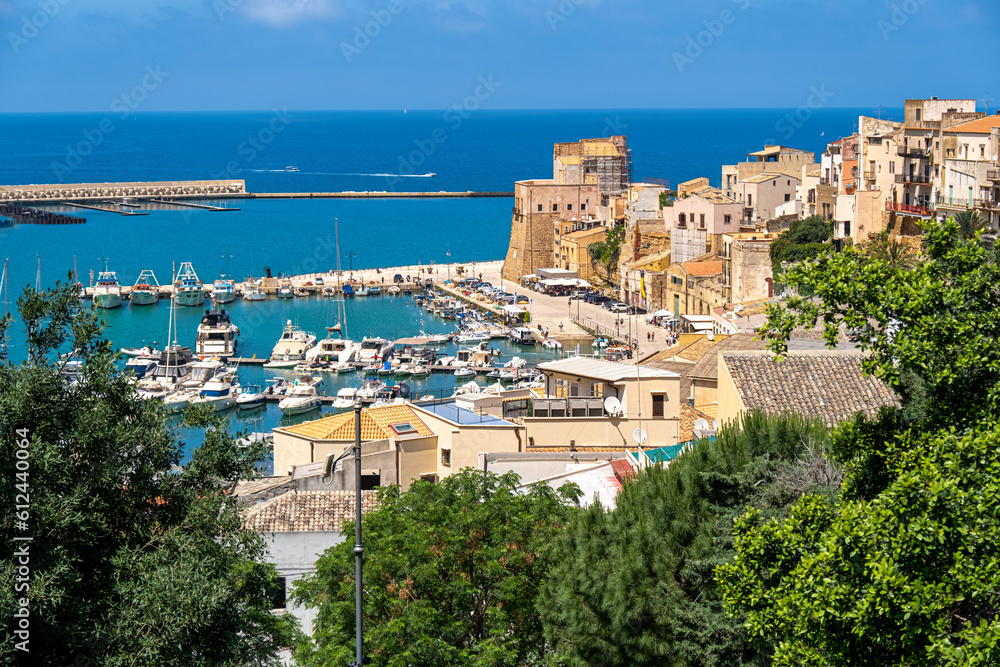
(359, 550)
(350, 257)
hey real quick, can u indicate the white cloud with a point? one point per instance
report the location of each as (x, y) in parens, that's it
(288, 12)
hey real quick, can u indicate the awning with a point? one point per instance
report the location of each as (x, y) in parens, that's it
(513, 309)
(663, 313)
(530, 276)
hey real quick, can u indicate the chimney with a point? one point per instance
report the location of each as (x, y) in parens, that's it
(637, 244)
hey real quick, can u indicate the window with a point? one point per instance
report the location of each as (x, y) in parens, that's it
(982, 150)
(446, 458)
(682, 219)
(555, 207)
(583, 207)
(919, 113)
(703, 221)
(566, 229)
(749, 199)
(569, 207)
(597, 389)
(788, 197)
(404, 428)
(892, 167)
(539, 208)
(727, 219)
(789, 183)
(676, 280)
(658, 400)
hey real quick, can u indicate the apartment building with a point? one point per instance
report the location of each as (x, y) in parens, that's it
(763, 196)
(772, 160)
(970, 178)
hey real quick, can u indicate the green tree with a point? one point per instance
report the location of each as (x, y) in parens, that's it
(901, 571)
(451, 573)
(130, 562)
(970, 224)
(636, 586)
(902, 568)
(813, 229)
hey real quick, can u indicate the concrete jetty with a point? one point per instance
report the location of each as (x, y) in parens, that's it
(187, 204)
(120, 211)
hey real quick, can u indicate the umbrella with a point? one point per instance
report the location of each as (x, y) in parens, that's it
(663, 313)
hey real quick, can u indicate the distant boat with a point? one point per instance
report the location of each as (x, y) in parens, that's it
(107, 293)
(291, 168)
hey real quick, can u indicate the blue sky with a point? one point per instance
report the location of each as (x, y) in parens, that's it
(87, 55)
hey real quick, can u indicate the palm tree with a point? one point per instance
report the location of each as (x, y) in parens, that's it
(970, 224)
(897, 255)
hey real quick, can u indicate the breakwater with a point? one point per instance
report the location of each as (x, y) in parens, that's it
(24, 215)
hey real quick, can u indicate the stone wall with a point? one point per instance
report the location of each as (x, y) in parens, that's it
(100, 191)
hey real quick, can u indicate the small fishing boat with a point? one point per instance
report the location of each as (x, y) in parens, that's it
(402, 370)
(146, 290)
(285, 290)
(107, 292)
(223, 291)
(420, 371)
(362, 291)
(552, 344)
(463, 373)
(394, 289)
(188, 290)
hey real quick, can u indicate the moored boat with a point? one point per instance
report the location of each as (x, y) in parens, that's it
(300, 399)
(188, 289)
(107, 292)
(146, 290)
(223, 290)
(217, 335)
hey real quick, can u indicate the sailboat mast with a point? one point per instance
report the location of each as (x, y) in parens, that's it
(341, 307)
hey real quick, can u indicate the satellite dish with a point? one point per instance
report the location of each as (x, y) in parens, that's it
(715, 424)
(738, 308)
(612, 405)
(701, 425)
(639, 436)
(710, 336)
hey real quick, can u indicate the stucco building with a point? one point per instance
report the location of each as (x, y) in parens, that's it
(772, 160)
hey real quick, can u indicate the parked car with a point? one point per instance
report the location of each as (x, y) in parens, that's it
(596, 298)
(522, 299)
(620, 308)
(484, 287)
(636, 310)
(505, 298)
(578, 295)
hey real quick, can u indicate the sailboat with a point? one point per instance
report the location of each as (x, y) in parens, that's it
(107, 292)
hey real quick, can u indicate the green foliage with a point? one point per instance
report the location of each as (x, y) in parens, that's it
(902, 571)
(665, 200)
(804, 239)
(813, 229)
(451, 572)
(130, 563)
(635, 586)
(902, 568)
(798, 253)
(606, 252)
(970, 225)
(935, 325)
(895, 254)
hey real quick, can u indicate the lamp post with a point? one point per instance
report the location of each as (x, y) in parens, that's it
(359, 550)
(350, 259)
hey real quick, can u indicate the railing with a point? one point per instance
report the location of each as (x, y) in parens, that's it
(961, 202)
(906, 208)
(870, 175)
(597, 328)
(825, 181)
(912, 178)
(574, 406)
(993, 175)
(914, 153)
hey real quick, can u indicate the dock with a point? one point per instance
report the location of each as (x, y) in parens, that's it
(105, 210)
(187, 204)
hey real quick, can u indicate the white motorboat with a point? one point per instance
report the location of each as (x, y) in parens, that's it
(369, 392)
(140, 367)
(251, 397)
(393, 290)
(179, 400)
(468, 388)
(291, 348)
(477, 337)
(221, 392)
(420, 371)
(217, 335)
(402, 370)
(345, 368)
(201, 372)
(137, 351)
(464, 372)
(300, 399)
(279, 386)
(552, 344)
(372, 348)
(333, 348)
(436, 339)
(346, 398)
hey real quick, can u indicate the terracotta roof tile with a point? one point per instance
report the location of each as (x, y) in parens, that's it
(702, 268)
(306, 511)
(979, 126)
(707, 367)
(828, 386)
(696, 350)
(375, 424)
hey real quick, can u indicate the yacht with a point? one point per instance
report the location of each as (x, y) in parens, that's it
(346, 398)
(146, 290)
(201, 372)
(369, 392)
(522, 335)
(179, 400)
(188, 290)
(436, 339)
(300, 399)
(251, 292)
(251, 397)
(332, 348)
(291, 348)
(223, 291)
(216, 335)
(107, 292)
(140, 367)
(372, 348)
(221, 392)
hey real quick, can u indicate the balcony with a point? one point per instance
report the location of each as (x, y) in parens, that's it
(963, 203)
(577, 406)
(907, 208)
(912, 153)
(870, 175)
(993, 175)
(913, 178)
